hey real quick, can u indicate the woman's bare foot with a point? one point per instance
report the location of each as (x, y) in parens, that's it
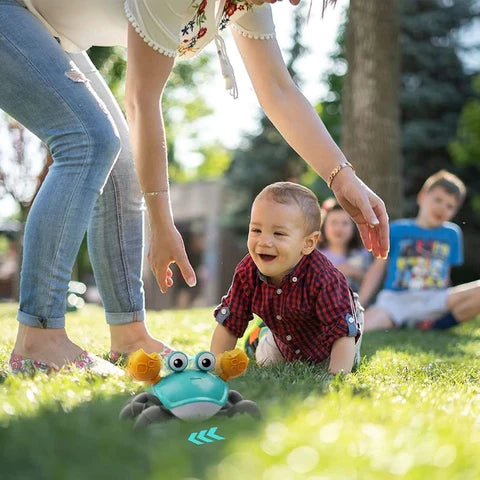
(49, 345)
(129, 337)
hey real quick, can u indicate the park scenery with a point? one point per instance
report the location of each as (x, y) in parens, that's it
(398, 88)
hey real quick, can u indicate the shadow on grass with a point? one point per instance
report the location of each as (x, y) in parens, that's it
(445, 344)
(91, 442)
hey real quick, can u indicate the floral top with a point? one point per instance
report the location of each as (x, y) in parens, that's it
(173, 27)
(185, 27)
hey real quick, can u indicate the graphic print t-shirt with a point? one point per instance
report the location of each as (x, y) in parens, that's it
(420, 258)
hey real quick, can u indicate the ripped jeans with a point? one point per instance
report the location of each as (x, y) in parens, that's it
(91, 186)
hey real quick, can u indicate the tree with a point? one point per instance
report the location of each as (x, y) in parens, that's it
(465, 148)
(435, 86)
(371, 128)
(264, 157)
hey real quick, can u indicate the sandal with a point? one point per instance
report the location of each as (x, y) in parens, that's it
(84, 361)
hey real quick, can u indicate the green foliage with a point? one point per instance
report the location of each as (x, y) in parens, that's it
(465, 149)
(215, 161)
(330, 108)
(4, 245)
(435, 86)
(111, 63)
(410, 412)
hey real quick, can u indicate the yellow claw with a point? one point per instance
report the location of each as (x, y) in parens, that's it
(231, 364)
(144, 366)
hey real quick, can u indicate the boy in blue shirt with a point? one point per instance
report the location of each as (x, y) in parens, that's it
(416, 289)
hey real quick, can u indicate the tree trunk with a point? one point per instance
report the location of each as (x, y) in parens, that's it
(371, 119)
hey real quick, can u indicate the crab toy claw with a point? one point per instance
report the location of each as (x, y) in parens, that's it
(144, 366)
(231, 363)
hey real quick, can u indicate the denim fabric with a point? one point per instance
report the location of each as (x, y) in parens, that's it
(90, 184)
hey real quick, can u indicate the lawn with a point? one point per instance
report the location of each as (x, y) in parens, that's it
(411, 411)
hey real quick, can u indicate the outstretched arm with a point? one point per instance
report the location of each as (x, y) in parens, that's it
(147, 74)
(302, 128)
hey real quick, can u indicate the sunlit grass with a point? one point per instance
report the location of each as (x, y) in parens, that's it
(411, 411)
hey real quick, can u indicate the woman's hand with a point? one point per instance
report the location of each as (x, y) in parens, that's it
(166, 247)
(366, 209)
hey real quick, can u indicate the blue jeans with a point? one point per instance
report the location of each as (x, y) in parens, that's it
(91, 185)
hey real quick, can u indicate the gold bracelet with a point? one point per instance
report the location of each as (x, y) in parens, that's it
(336, 170)
(153, 194)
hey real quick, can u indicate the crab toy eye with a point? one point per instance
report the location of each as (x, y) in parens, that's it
(205, 361)
(177, 361)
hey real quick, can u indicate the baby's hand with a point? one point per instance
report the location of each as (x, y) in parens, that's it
(231, 363)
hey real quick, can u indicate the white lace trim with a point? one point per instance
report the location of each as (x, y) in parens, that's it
(255, 36)
(157, 47)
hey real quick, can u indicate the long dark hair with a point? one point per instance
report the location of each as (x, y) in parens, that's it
(331, 205)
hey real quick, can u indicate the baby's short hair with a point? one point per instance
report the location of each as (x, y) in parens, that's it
(449, 182)
(288, 193)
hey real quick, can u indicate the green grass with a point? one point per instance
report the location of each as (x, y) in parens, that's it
(411, 411)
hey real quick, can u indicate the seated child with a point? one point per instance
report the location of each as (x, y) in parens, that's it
(422, 250)
(341, 244)
(303, 299)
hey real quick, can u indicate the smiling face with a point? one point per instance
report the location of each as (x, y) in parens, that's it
(277, 237)
(436, 207)
(338, 229)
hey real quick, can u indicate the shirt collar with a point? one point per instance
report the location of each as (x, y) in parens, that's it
(295, 274)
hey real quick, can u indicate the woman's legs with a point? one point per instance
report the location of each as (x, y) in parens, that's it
(41, 89)
(115, 236)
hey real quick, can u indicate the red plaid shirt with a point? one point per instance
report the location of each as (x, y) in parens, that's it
(311, 309)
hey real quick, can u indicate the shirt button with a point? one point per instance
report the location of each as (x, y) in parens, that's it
(288, 337)
(350, 319)
(223, 311)
(278, 317)
(297, 351)
(279, 291)
(294, 279)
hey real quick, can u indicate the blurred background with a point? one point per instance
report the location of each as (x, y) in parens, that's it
(396, 82)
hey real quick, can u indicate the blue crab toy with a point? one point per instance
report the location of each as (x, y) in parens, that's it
(187, 393)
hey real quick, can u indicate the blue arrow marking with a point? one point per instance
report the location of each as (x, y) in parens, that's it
(192, 439)
(211, 434)
(199, 438)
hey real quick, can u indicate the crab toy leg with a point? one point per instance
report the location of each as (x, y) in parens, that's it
(144, 366)
(231, 363)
